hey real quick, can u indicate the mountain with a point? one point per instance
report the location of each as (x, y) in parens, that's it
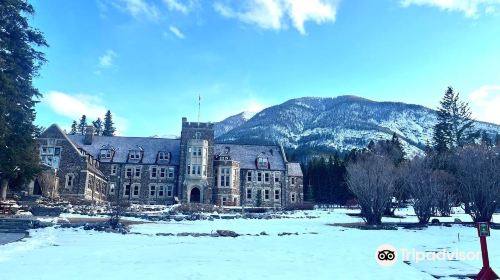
(341, 123)
(232, 122)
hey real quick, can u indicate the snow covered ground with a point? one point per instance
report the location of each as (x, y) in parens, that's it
(319, 251)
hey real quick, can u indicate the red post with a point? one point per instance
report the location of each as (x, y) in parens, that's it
(486, 273)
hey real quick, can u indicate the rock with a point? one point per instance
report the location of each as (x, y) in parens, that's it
(264, 233)
(227, 233)
(178, 219)
(164, 234)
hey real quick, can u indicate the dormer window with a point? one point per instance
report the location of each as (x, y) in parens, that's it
(163, 156)
(106, 154)
(134, 155)
(262, 163)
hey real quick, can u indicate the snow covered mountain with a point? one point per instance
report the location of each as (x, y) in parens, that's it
(340, 123)
(232, 122)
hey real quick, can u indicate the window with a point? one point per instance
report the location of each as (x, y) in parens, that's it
(170, 190)
(259, 176)
(126, 190)
(111, 188)
(134, 154)
(152, 190)
(90, 182)
(267, 194)
(50, 155)
(163, 172)
(249, 176)
(189, 169)
(163, 156)
(128, 172)
(170, 172)
(293, 197)
(292, 181)
(153, 172)
(195, 169)
(69, 180)
(105, 154)
(225, 177)
(114, 168)
(277, 177)
(267, 177)
(262, 163)
(137, 172)
(249, 193)
(196, 151)
(277, 195)
(136, 190)
(161, 190)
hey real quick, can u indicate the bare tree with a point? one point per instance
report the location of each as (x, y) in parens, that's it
(427, 187)
(47, 180)
(477, 171)
(371, 178)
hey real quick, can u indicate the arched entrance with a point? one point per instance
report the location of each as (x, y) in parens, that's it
(37, 189)
(194, 196)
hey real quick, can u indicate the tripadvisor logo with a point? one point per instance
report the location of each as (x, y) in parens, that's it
(386, 255)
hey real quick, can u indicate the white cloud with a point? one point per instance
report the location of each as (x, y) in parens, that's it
(274, 14)
(485, 103)
(74, 106)
(470, 8)
(176, 32)
(176, 5)
(138, 8)
(106, 60)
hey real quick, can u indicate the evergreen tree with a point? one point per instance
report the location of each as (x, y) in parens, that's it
(485, 139)
(74, 128)
(98, 126)
(258, 201)
(454, 125)
(109, 129)
(82, 125)
(20, 61)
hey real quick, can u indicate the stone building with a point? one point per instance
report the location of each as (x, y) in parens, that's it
(192, 169)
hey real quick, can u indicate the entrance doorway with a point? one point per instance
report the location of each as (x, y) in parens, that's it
(194, 196)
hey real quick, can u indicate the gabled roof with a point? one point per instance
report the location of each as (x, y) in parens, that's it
(122, 146)
(247, 154)
(294, 169)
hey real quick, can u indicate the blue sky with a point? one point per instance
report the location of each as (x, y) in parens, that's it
(147, 61)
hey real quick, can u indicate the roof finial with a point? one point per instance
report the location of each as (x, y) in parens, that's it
(199, 108)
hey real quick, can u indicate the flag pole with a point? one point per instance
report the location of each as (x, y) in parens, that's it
(199, 108)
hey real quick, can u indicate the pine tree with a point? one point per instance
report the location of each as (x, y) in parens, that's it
(485, 139)
(109, 129)
(454, 126)
(98, 126)
(82, 125)
(74, 128)
(20, 61)
(258, 201)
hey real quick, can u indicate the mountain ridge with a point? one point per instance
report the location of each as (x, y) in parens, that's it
(336, 123)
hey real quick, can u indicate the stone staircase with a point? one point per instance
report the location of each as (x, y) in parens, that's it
(14, 225)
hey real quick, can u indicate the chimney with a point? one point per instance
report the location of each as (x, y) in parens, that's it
(89, 135)
(184, 119)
